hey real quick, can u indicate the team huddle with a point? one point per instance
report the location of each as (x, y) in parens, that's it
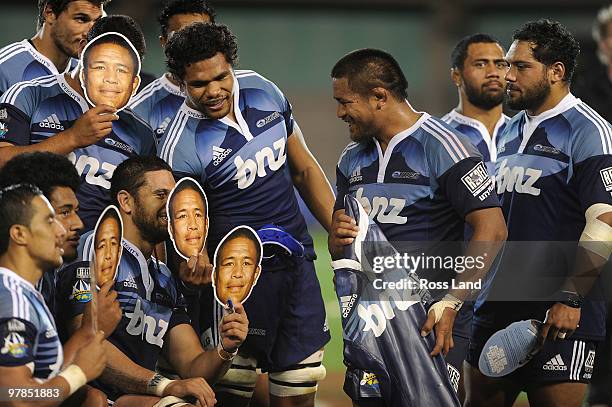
(153, 251)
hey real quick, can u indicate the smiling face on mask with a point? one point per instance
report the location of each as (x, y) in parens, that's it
(110, 72)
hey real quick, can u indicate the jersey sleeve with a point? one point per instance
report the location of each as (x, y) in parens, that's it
(342, 178)
(592, 164)
(18, 338)
(14, 125)
(286, 108)
(179, 150)
(179, 311)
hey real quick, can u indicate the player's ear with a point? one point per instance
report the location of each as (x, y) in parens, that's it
(557, 70)
(19, 234)
(455, 77)
(381, 96)
(162, 41)
(135, 84)
(48, 15)
(125, 200)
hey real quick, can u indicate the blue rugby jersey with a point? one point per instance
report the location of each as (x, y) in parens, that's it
(150, 300)
(242, 166)
(33, 111)
(422, 187)
(20, 62)
(478, 135)
(550, 169)
(158, 103)
(27, 330)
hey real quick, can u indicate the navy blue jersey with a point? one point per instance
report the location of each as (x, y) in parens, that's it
(242, 166)
(33, 111)
(46, 286)
(550, 169)
(149, 297)
(381, 326)
(20, 62)
(479, 135)
(422, 187)
(27, 330)
(158, 103)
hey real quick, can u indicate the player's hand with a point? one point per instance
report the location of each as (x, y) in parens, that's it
(443, 329)
(234, 328)
(560, 323)
(91, 358)
(196, 271)
(197, 387)
(93, 125)
(343, 232)
(109, 312)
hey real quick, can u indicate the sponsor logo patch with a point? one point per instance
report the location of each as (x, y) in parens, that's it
(546, 149)
(555, 363)
(606, 177)
(454, 376)
(219, 154)
(14, 345)
(80, 291)
(3, 129)
(589, 362)
(3, 114)
(405, 175)
(347, 302)
(119, 145)
(477, 179)
(268, 119)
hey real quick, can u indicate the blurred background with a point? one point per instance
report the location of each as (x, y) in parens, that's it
(295, 43)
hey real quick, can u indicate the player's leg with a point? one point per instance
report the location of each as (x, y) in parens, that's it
(296, 385)
(261, 395)
(87, 396)
(483, 391)
(363, 388)
(454, 361)
(137, 400)
(558, 395)
(236, 387)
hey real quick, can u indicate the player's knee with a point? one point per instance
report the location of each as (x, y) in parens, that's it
(299, 379)
(240, 379)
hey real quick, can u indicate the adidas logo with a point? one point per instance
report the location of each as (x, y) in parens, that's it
(347, 303)
(129, 282)
(356, 176)
(556, 363)
(219, 154)
(162, 127)
(52, 122)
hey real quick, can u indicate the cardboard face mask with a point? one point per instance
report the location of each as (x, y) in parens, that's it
(107, 246)
(187, 209)
(237, 265)
(110, 70)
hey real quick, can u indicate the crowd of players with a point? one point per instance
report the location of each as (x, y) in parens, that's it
(156, 336)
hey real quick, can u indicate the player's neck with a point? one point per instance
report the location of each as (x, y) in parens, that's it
(45, 45)
(133, 235)
(399, 118)
(171, 79)
(18, 260)
(554, 98)
(487, 117)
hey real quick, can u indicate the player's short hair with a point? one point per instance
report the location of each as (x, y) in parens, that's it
(121, 24)
(370, 68)
(551, 42)
(44, 170)
(198, 42)
(58, 6)
(180, 187)
(172, 8)
(130, 174)
(600, 25)
(460, 52)
(117, 40)
(15, 209)
(241, 232)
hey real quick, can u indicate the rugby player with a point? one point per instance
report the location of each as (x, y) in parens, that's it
(61, 30)
(31, 240)
(159, 101)
(51, 114)
(553, 175)
(235, 134)
(417, 167)
(154, 316)
(477, 70)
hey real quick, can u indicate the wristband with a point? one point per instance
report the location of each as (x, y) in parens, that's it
(225, 355)
(449, 301)
(571, 299)
(75, 377)
(158, 384)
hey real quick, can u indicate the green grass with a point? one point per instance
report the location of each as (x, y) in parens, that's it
(333, 350)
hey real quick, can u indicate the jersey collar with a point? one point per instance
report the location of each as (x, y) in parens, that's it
(12, 274)
(72, 93)
(489, 139)
(147, 280)
(532, 122)
(383, 159)
(241, 125)
(169, 86)
(43, 59)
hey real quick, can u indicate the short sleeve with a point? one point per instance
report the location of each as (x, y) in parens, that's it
(14, 125)
(18, 338)
(73, 290)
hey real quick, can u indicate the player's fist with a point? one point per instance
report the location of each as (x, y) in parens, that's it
(234, 328)
(197, 270)
(197, 387)
(93, 125)
(91, 358)
(561, 322)
(343, 232)
(109, 312)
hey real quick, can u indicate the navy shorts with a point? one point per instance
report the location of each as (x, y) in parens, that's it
(566, 360)
(286, 316)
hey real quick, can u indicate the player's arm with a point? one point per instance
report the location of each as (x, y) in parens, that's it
(185, 353)
(309, 179)
(88, 129)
